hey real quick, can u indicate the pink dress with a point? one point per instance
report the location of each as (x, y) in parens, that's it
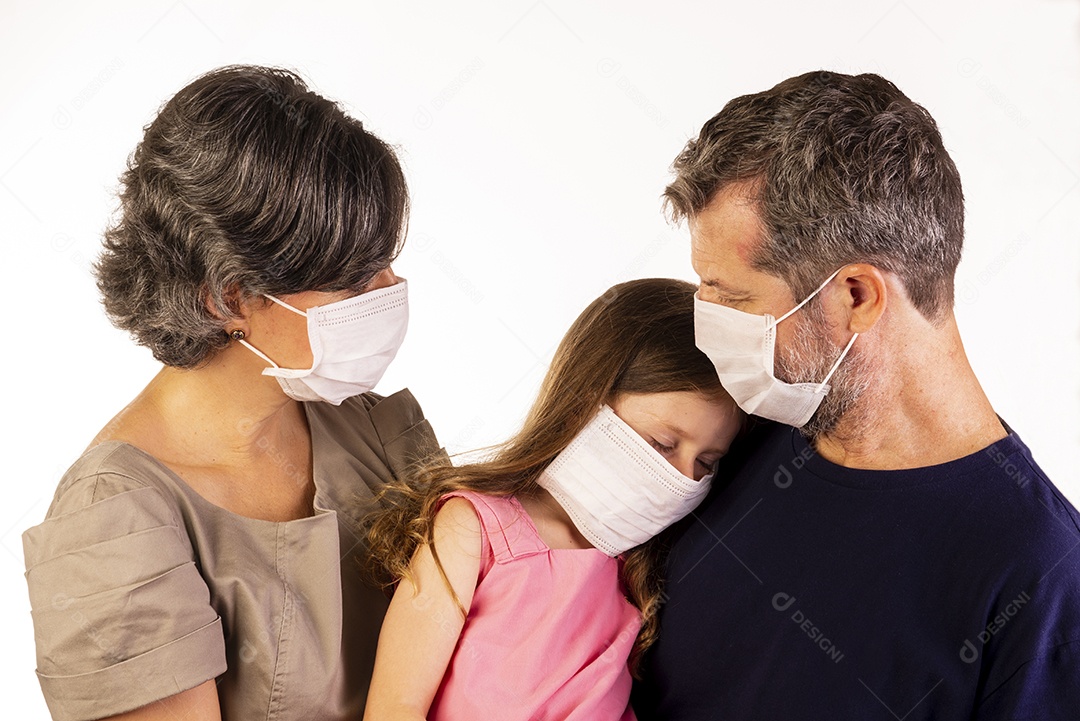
(548, 633)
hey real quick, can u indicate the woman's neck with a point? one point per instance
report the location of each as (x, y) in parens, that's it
(234, 438)
(225, 407)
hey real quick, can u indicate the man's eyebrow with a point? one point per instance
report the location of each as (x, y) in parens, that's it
(724, 288)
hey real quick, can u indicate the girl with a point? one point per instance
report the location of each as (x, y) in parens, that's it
(513, 573)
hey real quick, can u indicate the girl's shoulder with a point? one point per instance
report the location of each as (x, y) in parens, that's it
(504, 525)
(484, 501)
(495, 513)
(458, 515)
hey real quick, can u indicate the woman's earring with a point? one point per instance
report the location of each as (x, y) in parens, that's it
(237, 334)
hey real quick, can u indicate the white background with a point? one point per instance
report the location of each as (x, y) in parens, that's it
(536, 137)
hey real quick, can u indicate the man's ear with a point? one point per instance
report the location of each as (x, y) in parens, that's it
(863, 291)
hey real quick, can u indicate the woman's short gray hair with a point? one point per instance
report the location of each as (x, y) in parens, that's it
(246, 183)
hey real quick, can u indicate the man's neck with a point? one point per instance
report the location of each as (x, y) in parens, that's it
(926, 407)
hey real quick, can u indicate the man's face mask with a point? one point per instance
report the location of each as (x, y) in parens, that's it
(741, 346)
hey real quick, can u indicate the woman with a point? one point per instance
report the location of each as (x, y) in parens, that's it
(210, 529)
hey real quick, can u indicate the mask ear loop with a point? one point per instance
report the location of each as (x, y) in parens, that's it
(800, 305)
(283, 304)
(806, 300)
(837, 363)
(258, 352)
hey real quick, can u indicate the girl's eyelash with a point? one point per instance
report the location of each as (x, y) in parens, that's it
(660, 446)
(708, 463)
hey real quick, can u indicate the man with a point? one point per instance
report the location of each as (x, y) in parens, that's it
(900, 556)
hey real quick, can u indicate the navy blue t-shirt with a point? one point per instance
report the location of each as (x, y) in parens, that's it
(806, 590)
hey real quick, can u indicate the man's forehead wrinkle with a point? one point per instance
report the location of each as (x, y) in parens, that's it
(714, 237)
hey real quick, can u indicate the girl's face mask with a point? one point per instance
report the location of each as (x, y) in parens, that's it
(616, 488)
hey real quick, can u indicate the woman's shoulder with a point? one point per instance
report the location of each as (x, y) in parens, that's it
(115, 589)
(391, 428)
(106, 470)
(385, 416)
(112, 490)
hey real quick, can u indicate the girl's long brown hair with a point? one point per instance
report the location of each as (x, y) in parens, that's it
(638, 337)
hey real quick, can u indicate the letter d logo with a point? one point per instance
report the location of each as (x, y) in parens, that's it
(782, 601)
(782, 478)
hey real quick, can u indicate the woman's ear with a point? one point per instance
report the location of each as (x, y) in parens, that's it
(863, 293)
(233, 311)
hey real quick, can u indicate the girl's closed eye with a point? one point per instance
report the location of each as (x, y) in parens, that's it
(661, 447)
(708, 463)
(690, 429)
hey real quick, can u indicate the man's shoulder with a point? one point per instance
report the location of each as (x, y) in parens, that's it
(760, 439)
(1013, 495)
(996, 498)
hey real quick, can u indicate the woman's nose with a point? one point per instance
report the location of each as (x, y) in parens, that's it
(383, 279)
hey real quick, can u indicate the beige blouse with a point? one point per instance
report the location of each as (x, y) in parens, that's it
(140, 588)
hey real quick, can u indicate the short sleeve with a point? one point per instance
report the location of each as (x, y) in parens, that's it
(406, 436)
(506, 531)
(1046, 688)
(122, 616)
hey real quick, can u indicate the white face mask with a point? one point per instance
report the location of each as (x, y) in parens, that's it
(618, 490)
(352, 344)
(741, 346)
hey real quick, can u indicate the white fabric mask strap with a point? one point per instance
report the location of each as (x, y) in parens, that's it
(258, 352)
(283, 304)
(838, 361)
(805, 300)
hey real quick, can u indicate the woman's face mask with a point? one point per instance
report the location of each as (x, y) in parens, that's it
(352, 343)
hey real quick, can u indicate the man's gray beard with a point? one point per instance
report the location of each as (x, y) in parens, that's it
(808, 358)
